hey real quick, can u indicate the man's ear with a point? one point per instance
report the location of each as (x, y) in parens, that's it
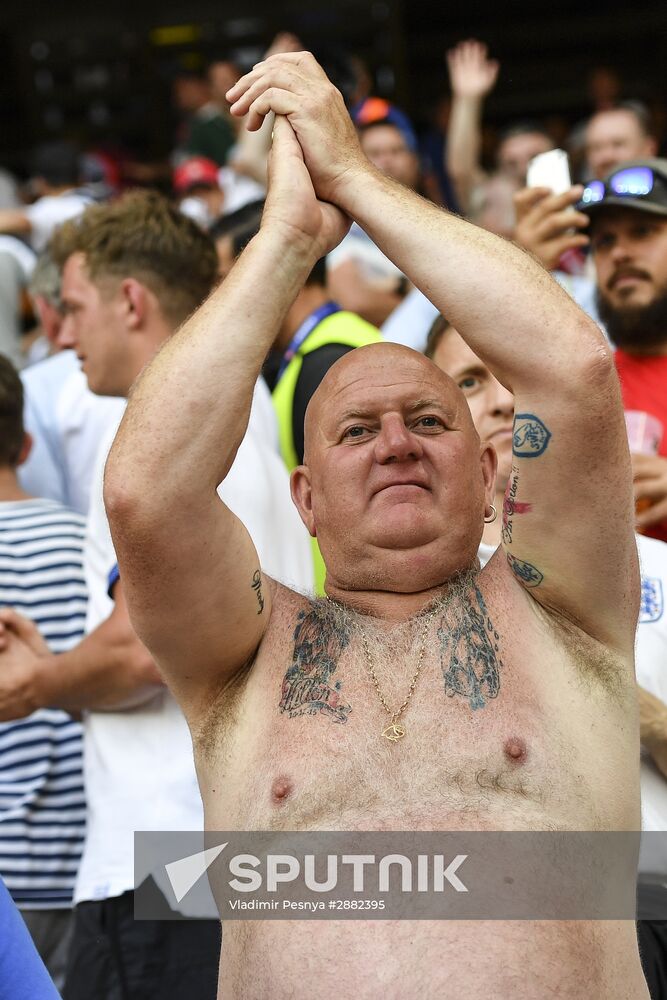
(134, 296)
(26, 448)
(489, 463)
(50, 319)
(301, 491)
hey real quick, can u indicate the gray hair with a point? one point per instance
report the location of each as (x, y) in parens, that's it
(46, 281)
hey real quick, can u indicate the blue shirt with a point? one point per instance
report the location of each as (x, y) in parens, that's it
(22, 972)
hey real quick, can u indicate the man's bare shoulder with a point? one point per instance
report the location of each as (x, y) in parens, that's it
(517, 611)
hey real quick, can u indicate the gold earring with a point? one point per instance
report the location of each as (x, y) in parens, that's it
(492, 516)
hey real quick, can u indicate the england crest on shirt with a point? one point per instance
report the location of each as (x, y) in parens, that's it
(652, 600)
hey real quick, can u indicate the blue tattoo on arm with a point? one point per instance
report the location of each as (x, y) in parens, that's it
(528, 575)
(531, 437)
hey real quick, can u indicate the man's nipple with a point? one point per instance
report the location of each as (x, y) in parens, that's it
(516, 750)
(281, 789)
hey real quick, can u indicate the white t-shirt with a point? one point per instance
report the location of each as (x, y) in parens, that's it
(410, 321)
(138, 763)
(23, 255)
(238, 189)
(67, 422)
(359, 247)
(651, 669)
(47, 213)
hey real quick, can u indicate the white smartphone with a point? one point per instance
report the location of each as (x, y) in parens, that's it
(550, 170)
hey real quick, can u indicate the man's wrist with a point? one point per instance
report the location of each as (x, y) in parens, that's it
(358, 185)
(43, 688)
(294, 250)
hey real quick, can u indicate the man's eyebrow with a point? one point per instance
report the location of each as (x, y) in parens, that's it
(475, 368)
(426, 404)
(418, 404)
(354, 415)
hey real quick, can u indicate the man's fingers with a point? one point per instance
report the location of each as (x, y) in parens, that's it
(650, 489)
(570, 241)
(24, 629)
(289, 70)
(281, 79)
(284, 138)
(17, 623)
(556, 202)
(527, 198)
(282, 102)
(541, 203)
(557, 224)
(654, 514)
(649, 466)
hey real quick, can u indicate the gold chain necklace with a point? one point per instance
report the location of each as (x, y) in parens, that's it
(395, 731)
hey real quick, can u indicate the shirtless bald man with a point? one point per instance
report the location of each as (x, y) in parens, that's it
(326, 715)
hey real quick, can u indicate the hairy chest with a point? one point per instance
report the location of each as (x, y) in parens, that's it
(464, 716)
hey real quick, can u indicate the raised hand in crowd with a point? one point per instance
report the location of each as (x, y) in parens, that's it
(471, 73)
(472, 76)
(546, 224)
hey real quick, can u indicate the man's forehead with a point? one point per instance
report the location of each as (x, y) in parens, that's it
(624, 215)
(617, 120)
(74, 273)
(368, 375)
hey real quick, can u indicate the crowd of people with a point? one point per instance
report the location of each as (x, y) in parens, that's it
(383, 412)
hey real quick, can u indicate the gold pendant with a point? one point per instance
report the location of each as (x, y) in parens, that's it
(394, 732)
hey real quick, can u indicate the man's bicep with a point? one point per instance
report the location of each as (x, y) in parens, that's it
(199, 600)
(567, 522)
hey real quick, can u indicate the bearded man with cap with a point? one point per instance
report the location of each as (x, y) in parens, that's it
(628, 233)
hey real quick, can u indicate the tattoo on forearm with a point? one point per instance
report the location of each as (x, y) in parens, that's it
(257, 587)
(528, 575)
(469, 652)
(308, 687)
(531, 436)
(512, 506)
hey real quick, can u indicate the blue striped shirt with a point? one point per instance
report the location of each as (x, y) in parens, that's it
(42, 804)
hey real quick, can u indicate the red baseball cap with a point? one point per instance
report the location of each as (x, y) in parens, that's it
(196, 172)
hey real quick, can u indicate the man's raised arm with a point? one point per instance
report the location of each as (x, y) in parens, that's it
(189, 568)
(568, 516)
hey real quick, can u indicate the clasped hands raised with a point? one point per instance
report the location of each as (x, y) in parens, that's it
(316, 157)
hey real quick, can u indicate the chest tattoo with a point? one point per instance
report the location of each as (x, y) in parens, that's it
(308, 687)
(469, 652)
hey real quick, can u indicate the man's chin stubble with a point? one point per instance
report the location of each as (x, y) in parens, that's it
(639, 329)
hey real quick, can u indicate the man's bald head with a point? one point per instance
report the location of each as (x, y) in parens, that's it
(395, 482)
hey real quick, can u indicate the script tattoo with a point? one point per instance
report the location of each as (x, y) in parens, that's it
(531, 437)
(512, 506)
(523, 571)
(257, 587)
(469, 654)
(307, 687)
